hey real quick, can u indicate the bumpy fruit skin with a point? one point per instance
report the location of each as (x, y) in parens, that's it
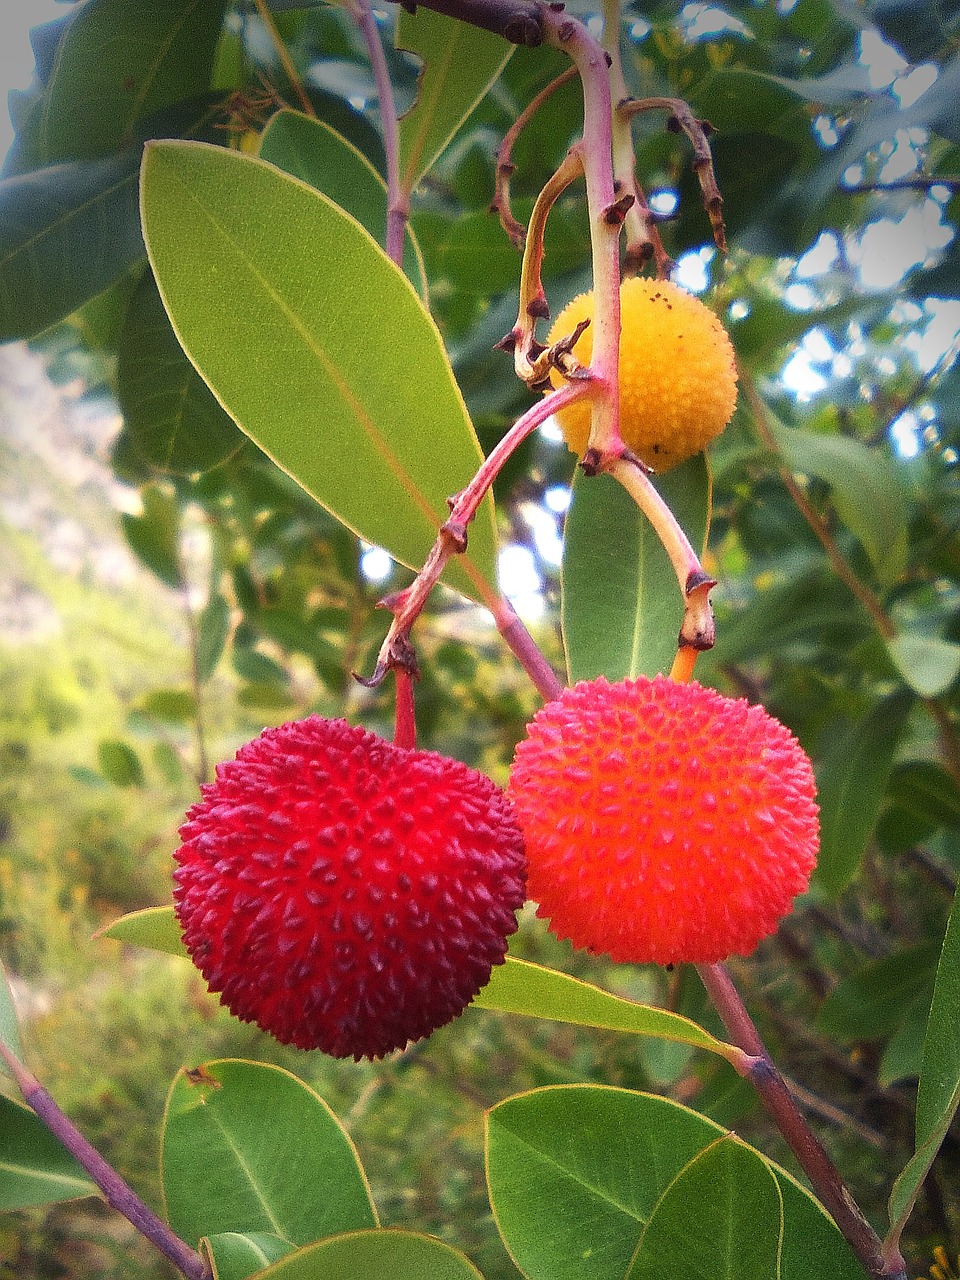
(664, 822)
(678, 376)
(344, 893)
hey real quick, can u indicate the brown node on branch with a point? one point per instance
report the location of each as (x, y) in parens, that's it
(614, 214)
(682, 120)
(456, 534)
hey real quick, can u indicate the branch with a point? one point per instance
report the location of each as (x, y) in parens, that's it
(782, 1108)
(283, 53)
(519, 21)
(116, 1192)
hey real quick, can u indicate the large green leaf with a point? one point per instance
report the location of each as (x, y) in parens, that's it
(928, 664)
(721, 1218)
(317, 345)
(517, 986)
(867, 491)
(575, 1173)
(66, 233)
(313, 151)
(388, 1254)
(173, 419)
(938, 1095)
(622, 608)
(873, 1001)
(118, 62)
(851, 781)
(461, 62)
(940, 1073)
(34, 1167)
(250, 1148)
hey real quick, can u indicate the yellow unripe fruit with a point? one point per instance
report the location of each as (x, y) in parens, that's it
(678, 378)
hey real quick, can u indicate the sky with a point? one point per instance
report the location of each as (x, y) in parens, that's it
(16, 56)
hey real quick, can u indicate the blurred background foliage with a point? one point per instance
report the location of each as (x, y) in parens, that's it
(834, 539)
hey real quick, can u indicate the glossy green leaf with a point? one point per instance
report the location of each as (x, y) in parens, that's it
(461, 62)
(250, 1148)
(517, 986)
(622, 607)
(34, 1167)
(720, 1219)
(154, 535)
(940, 1074)
(213, 628)
(66, 234)
(851, 781)
(388, 1254)
(119, 763)
(866, 487)
(312, 151)
(309, 336)
(118, 62)
(873, 1001)
(173, 419)
(575, 1173)
(929, 665)
(234, 1256)
(153, 927)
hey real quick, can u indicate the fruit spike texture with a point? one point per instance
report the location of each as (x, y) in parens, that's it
(678, 376)
(344, 893)
(664, 822)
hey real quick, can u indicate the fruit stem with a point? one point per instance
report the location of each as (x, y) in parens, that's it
(116, 1192)
(515, 231)
(606, 209)
(398, 199)
(760, 1071)
(405, 724)
(451, 540)
(697, 631)
(683, 664)
(643, 237)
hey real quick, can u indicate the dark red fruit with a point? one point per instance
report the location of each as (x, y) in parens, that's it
(344, 893)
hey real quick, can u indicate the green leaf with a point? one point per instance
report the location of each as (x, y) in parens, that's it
(852, 780)
(318, 347)
(9, 1025)
(922, 797)
(720, 1219)
(517, 986)
(173, 419)
(461, 62)
(929, 665)
(250, 1148)
(119, 763)
(34, 1167)
(152, 927)
(234, 1256)
(622, 607)
(940, 1073)
(388, 1254)
(867, 492)
(173, 706)
(118, 63)
(873, 1001)
(66, 234)
(154, 535)
(310, 150)
(213, 628)
(575, 1173)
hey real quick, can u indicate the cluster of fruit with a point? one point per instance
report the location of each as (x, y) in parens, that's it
(349, 894)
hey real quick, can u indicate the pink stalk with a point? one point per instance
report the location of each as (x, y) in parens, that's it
(116, 1192)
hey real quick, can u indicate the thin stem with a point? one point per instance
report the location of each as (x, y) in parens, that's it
(525, 649)
(782, 1108)
(398, 200)
(698, 630)
(283, 53)
(196, 684)
(405, 727)
(116, 1192)
(515, 230)
(452, 539)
